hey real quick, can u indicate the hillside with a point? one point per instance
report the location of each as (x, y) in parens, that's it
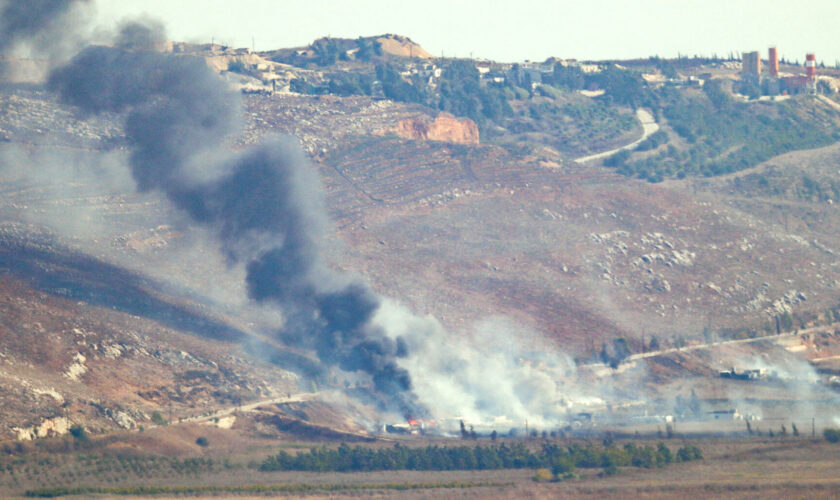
(587, 253)
(461, 201)
(85, 342)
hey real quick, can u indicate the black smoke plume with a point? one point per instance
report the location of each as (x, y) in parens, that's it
(265, 204)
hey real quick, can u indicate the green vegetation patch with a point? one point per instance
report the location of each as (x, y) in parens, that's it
(722, 135)
(776, 182)
(570, 124)
(259, 489)
(831, 435)
(516, 456)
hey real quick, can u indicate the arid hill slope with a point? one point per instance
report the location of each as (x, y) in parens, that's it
(576, 253)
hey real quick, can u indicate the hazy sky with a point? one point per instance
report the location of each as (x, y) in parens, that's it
(510, 30)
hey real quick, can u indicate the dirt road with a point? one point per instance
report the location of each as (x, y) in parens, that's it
(292, 398)
(601, 368)
(649, 126)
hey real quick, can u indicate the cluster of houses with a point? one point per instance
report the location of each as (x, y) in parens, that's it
(269, 76)
(520, 74)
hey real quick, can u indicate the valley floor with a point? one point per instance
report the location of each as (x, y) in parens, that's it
(779, 467)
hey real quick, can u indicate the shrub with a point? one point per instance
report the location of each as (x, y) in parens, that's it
(202, 441)
(609, 470)
(688, 453)
(78, 432)
(832, 435)
(158, 419)
(542, 475)
(236, 66)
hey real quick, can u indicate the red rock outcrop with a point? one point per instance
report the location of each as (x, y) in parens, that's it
(445, 127)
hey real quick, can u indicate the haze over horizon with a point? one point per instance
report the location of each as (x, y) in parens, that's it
(508, 31)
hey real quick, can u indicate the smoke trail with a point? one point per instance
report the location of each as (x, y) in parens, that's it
(264, 204)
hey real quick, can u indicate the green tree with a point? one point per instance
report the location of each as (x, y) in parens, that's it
(663, 455)
(78, 432)
(715, 92)
(562, 465)
(622, 86)
(394, 87)
(568, 77)
(158, 419)
(365, 51)
(326, 51)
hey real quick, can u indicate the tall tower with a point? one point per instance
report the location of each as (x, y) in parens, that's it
(751, 64)
(811, 72)
(811, 66)
(773, 62)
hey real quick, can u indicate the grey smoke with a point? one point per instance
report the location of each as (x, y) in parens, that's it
(24, 20)
(47, 26)
(140, 34)
(264, 204)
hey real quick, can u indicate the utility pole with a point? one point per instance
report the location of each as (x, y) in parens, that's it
(813, 427)
(170, 411)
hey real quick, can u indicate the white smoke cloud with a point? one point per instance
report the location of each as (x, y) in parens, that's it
(497, 373)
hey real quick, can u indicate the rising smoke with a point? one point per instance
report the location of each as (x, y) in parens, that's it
(498, 374)
(265, 204)
(48, 27)
(265, 208)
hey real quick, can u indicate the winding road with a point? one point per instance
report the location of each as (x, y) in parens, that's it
(649, 126)
(604, 369)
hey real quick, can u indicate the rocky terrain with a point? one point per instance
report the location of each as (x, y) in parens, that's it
(113, 310)
(574, 251)
(444, 127)
(80, 344)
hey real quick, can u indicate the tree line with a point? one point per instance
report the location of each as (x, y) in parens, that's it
(505, 456)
